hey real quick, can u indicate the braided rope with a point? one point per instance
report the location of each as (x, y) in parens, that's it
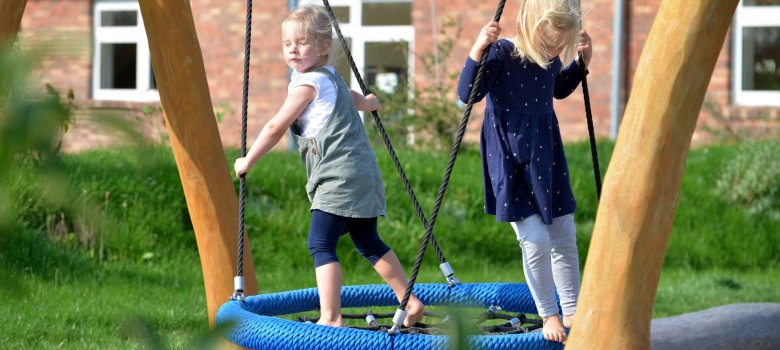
(244, 108)
(453, 156)
(591, 133)
(409, 190)
(254, 325)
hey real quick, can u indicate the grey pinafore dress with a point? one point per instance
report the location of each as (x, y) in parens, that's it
(343, 175)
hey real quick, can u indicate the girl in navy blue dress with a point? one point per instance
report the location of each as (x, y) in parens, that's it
(526, 179)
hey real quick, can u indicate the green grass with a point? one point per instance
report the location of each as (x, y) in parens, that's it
(63, 295)
(684, 290)
(98, 309)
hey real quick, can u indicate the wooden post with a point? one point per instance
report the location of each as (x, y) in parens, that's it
(189, 117)
(11, 12)
(642, 185)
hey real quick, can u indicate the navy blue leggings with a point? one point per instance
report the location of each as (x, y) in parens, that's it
(325, 230)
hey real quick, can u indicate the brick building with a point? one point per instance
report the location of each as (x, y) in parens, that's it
(98, 48)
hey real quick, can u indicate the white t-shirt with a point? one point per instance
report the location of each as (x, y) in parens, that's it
(313, 119)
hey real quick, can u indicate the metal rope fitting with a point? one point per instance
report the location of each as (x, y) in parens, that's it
(371, 319)
(398, 321)
(447, 271)
(238, 285)
(514, 321)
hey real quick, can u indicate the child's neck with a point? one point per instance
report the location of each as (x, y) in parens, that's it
(317, 66)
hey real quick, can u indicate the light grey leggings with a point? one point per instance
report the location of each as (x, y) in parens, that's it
(550, 261)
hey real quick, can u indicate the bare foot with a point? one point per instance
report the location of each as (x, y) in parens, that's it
(552, 328)
(332, 322)
(568, 320)
(414, 312)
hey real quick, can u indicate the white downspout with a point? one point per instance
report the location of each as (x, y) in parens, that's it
(617, 71)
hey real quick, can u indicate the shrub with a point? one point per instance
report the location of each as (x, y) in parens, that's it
(427, 117)
(751, 179)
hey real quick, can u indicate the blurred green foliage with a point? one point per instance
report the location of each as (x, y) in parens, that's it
(30, 122)
(64, 218)
(751, 178)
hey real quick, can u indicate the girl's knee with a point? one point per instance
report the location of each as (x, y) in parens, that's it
(540, 247)
(367, 241)
(375, 252)
(322, 251)
(323, 257)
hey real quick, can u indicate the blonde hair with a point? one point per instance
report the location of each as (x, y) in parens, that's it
(314, 20)
(541, 20)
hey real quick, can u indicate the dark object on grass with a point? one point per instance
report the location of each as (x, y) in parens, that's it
(734, 327)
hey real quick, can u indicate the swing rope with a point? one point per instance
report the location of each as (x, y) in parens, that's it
(401, 312)
(238, 281)
(453, 156)
(409, 190)
(591, 133)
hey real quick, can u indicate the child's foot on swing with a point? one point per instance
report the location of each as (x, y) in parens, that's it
(330, 324)
(568, 320)
(553, 330)
(414, 311)
(330, 321)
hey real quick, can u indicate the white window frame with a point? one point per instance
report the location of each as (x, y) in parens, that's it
(362, 35)
(751, 16)
(122, 35)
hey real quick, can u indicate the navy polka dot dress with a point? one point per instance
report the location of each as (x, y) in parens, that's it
(523, 163)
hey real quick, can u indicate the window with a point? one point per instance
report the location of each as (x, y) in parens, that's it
(376, 13)
(380, 38)
(756, 71)
(121, 66)
(388, 66)
(341, 13)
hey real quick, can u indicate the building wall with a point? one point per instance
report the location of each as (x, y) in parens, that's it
(61, 33)
(63, 30)
(718, 114)
(221, 30)
(639, 22)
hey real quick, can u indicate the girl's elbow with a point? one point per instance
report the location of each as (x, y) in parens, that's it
(274, 129)
(463, 96)
(562, 94)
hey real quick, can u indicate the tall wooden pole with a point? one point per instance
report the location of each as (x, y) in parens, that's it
(642, 185)
(11, 12)
(189, 117)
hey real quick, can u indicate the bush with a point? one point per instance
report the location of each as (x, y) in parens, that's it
(426, 117)
(752, 178)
